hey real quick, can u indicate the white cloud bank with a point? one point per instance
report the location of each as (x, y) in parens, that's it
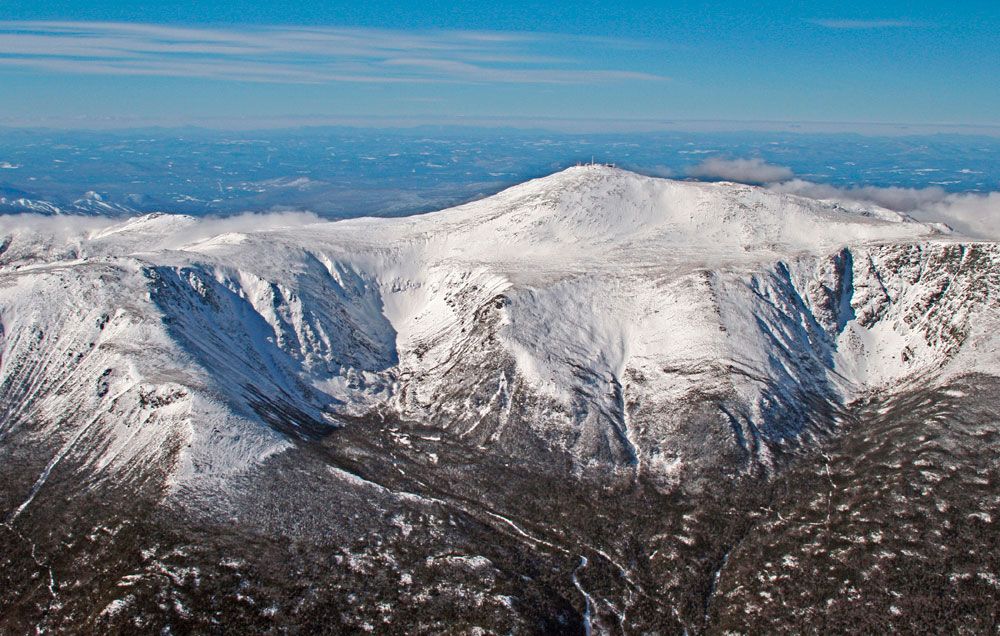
(974, 214)
(754, 170)
(971, 213)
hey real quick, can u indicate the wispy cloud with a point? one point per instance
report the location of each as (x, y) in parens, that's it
(302, 54)
(866, 24)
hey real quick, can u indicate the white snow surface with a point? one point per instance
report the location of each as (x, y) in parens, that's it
(593, 308)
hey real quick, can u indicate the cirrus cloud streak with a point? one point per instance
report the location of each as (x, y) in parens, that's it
(305, 54)
(865, 25)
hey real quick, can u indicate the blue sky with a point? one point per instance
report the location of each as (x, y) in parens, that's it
(102, 62)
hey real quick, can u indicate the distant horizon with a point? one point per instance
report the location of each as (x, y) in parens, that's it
(338, 171)
(550, 125)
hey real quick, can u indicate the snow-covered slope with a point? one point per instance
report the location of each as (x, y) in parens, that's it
(626, 322)
(91, 204)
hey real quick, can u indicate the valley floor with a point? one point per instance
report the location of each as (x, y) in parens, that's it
(386, 527)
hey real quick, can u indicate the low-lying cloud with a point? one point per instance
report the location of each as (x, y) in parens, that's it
(61, 227)
(971, 213)
(894, 198)
(754, 170)
(163, 232)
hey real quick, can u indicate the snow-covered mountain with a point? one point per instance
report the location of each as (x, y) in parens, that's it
(91, 204)
(613, 326)
(594, 311)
